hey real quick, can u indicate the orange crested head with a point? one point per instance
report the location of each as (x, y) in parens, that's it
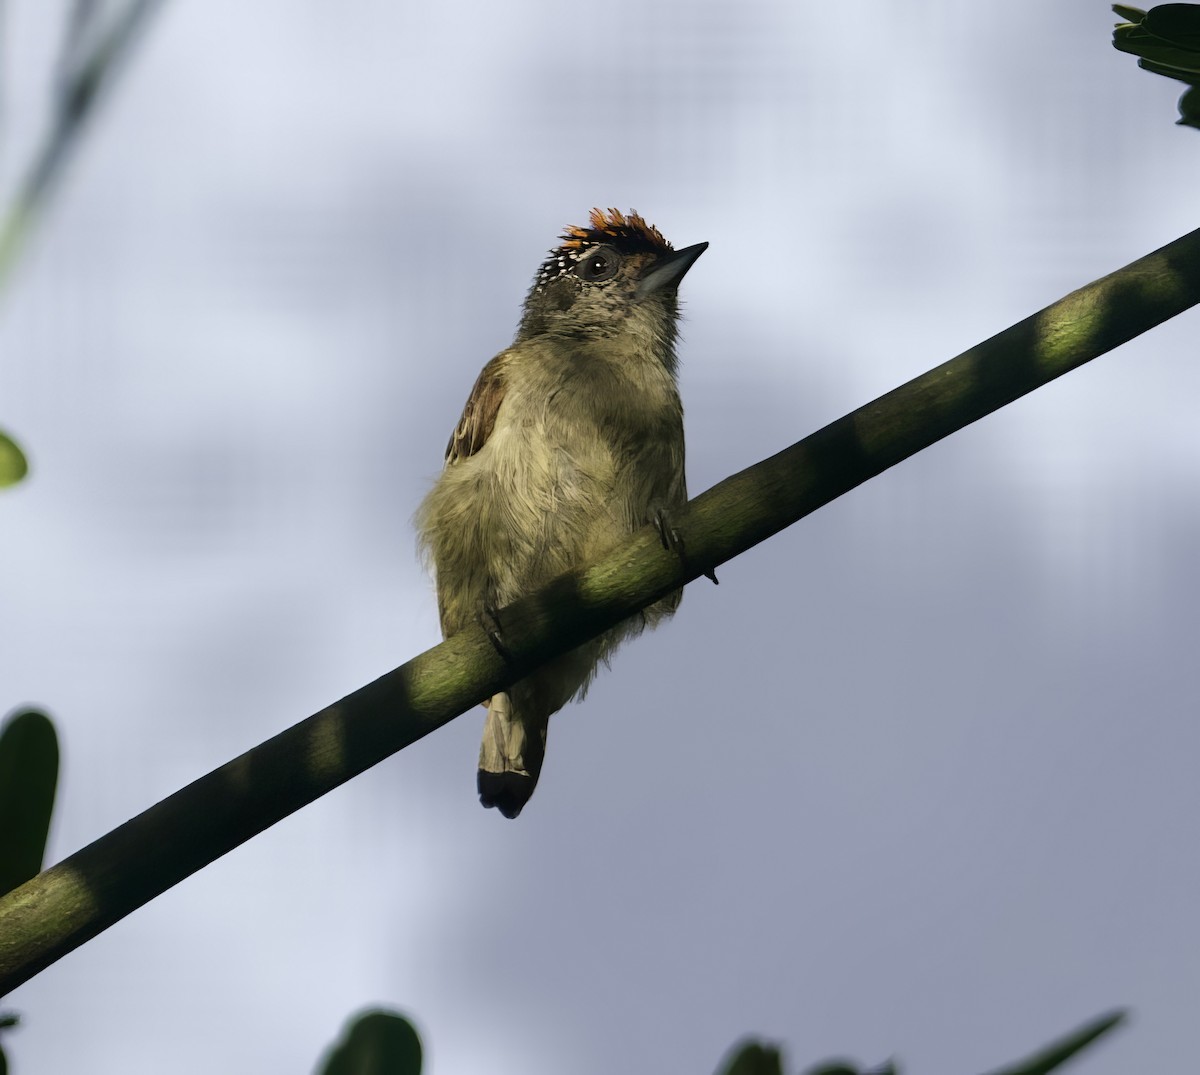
(628, 232)
(617, 274)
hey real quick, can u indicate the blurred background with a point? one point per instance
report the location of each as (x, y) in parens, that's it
(917, 780)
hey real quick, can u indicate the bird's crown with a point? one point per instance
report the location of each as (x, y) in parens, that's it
(615, 227)
(630, 234)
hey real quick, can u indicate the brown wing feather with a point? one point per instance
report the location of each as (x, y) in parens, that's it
(479, 415)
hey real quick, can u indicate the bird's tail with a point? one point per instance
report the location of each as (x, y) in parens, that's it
(510, 757)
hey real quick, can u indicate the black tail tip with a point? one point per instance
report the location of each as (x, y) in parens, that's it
(507, 792)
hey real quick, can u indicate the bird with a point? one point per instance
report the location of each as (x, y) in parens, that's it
(571, 440)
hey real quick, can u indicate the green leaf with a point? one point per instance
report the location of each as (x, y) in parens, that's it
(1156, 55)
(1056, 1053)
(1189, 108)
(753, 1058)
(377, 1043)
(1130, 14)
(1166, 40)
(13, 465)
(1177, 24)
(28, 777)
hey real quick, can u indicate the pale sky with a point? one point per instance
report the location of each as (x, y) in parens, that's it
(918, 780)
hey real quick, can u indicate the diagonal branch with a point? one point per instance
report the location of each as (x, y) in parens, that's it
(68, 904)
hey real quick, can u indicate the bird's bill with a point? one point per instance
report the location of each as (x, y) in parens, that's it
(669, 270)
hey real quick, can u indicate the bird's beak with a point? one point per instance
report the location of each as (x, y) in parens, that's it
(670, 270)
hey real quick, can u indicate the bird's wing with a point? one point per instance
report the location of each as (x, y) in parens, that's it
(479, 415)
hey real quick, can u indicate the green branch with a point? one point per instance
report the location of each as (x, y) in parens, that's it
(67, 904)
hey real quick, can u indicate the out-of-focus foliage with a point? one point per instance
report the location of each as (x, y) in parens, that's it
(753, 1058)
(93, 47)
(836, 1067)
(28, 778)
(1058, 1052)
(758, 1058)
(7, 1019)
(13, 466)
(376, 1043)
(1166, 40)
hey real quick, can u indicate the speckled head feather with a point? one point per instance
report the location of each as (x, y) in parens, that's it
(629, 234)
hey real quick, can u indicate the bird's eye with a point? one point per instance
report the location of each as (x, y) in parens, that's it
(600, 264)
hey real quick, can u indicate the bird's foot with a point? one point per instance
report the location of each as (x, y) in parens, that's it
(672, 539)
(489, 619)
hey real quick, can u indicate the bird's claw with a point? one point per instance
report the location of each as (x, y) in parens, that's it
(489, 619)
(667, 534)
(672, 539)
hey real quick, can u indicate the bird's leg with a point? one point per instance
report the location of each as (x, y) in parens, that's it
(672, 539)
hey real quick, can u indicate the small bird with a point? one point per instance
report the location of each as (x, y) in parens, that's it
(571, 440)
